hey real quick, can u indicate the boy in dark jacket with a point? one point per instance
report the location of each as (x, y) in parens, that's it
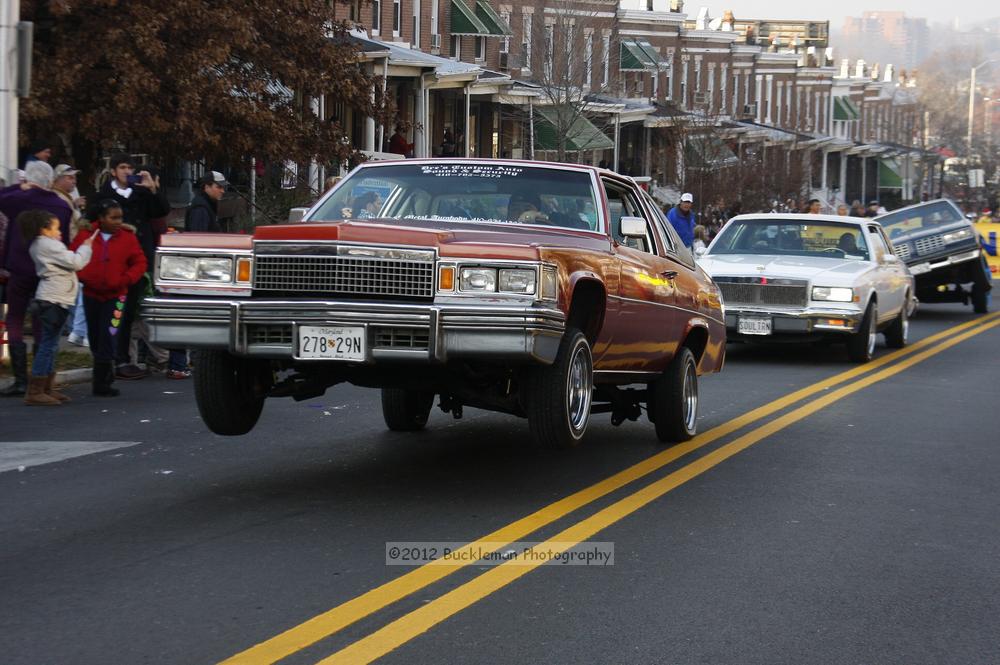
(117, 265)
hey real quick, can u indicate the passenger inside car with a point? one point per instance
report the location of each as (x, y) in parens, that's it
(847, 244)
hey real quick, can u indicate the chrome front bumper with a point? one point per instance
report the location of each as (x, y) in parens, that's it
(798, 321)
(432, 332)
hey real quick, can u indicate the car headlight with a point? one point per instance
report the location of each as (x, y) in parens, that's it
(517, 280)
(833, 293)
(194, 269)
(956, 236)
(478, 279)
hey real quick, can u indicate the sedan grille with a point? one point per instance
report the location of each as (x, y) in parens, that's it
(929, 245)
(747, 293)
(265, 334)
(902, 251)
(402, 338)
(344, 275)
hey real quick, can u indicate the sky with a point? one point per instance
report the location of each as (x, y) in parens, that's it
(966, 11)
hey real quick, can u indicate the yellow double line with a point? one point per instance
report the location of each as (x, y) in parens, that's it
(420, 620)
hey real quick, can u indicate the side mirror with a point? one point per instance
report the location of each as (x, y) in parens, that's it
(701, 251)
(890, 258)
(296, 215)
(633, 227)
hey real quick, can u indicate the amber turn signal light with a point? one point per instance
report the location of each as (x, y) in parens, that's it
(243, 270)
(446, 278)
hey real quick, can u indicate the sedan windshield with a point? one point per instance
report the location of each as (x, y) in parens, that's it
(928, 216)
(465, 192)
(792, 237)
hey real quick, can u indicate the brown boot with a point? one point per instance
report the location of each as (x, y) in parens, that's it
(36, 393)
(50, 390)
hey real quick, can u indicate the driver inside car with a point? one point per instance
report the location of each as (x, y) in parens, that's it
(525, 209)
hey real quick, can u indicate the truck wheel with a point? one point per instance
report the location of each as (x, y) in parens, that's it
(673, 402)
(897, 334)
(559, 396)
(230, 391)
(979, 293)
(861, 345)
(406, 410)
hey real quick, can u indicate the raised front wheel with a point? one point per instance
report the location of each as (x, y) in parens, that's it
(559, 396)
(230, 391)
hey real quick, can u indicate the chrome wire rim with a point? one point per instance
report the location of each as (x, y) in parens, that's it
(872, 333)
(579, 389)
(690, 397)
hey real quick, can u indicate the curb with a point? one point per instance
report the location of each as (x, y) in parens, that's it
(69, 376)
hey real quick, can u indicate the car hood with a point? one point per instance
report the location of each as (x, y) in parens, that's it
(897, 237)
(834, 271)
(449, 238)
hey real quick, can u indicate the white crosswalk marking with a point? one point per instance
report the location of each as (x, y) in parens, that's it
(23, 454)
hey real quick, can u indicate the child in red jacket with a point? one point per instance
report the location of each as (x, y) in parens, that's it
(117, 263)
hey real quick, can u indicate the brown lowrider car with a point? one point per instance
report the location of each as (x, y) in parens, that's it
(540, 290)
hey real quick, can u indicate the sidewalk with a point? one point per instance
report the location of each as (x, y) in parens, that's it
(73, 365)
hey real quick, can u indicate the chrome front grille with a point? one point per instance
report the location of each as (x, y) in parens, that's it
(929, 245)
(344, 275)
(401, 338)
(748, 293)
(902, 251)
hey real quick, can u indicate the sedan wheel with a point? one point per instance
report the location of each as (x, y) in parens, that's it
(897, 334)
(673, 402)
(861, 345)
(559, 396)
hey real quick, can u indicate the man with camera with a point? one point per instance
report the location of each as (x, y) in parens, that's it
(141, 200)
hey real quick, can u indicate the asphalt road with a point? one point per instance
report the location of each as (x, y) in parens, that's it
(857, 525)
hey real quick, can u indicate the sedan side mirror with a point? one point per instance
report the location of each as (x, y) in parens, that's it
(701, 251)
(633, 227)
(890, 258)
(296, 214)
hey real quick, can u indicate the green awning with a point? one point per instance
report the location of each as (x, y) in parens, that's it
(650, 52)
(888, 174)
(844, 109)
(582, 134)
(708, 152)
(464, 21)
(635, 58)
(493, 22)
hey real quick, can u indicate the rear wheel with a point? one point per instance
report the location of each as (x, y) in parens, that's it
(673, 403)
(559, 396)
(406, 410)
(230, 391)
(897, 334)
(861, 345)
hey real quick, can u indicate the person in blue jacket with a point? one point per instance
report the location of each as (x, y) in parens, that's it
(682, 219)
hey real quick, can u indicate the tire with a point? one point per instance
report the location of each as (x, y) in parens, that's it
(230, 391)
(861, 345)
(898, 333)
(406, 410)
(979, 293)
(673, 402)
(559, 396)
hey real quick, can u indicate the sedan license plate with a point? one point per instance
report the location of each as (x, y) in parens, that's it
(753, 326)
(332, 342)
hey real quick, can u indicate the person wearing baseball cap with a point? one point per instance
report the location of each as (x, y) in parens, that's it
(203, 215)
(682, 219)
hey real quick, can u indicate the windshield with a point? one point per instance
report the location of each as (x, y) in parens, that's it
(466, 192)
(929, 216)
(792, 237)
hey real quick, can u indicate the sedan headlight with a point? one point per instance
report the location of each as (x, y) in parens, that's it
(478, 279)
(956, 236)
(194, 269)
(833, 293)
(517, 280)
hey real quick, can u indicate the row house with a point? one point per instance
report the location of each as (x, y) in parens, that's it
(658, 94)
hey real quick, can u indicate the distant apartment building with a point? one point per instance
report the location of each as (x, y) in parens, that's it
(880, 36)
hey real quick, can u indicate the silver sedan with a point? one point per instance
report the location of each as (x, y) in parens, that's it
(807, 277)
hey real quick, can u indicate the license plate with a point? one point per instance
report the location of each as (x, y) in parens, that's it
(753, 326)
(332, 342)
(920, 268)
